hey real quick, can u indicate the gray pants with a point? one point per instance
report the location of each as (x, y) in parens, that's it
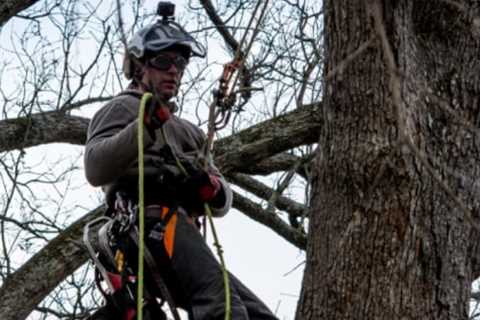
(195, 278)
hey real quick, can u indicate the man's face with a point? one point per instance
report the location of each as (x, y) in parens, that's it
(164, 73)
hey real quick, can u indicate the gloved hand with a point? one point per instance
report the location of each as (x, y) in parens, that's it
(203, 187)
(156, 114)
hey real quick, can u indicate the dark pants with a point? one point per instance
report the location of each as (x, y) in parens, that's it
(195, 278)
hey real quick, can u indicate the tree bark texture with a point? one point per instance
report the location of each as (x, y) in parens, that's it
(42, 128)
(385, 239)
(268, 138)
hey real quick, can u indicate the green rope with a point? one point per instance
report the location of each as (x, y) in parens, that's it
(141, 232)
(141, 205)
(216, 242)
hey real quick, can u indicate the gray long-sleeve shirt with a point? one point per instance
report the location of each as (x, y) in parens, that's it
(111, 150)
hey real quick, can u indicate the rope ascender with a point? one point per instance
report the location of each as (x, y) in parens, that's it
(225, 97)
(220, 111)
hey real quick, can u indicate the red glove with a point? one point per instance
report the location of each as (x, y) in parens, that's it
(156, 114)
(210, 188)
(200, 188)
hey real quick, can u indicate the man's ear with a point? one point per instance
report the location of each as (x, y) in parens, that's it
(128, 67)
(142, 71)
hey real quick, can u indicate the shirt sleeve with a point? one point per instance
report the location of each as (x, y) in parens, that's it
(219, 212)
(227, 191)
(112, 143)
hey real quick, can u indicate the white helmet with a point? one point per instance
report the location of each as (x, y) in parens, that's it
(163, 34)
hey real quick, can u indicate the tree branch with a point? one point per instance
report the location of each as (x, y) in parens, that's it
(9, 8)
(264, 192)
(279, 162)
(219, 24)
(23, 290)
(257, 213)
(47, 127)
(261, 141)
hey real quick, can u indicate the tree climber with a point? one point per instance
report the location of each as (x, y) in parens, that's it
(155, 60)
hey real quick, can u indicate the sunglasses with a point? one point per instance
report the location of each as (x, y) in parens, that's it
(164, 62)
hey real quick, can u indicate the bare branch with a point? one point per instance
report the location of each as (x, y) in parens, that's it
(255, 212)
(264, 192)
(25, 289)
(279, 162)
(296, 128)
(219, 24)
(9, 8)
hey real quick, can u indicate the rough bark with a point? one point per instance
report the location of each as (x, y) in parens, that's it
(27, 287)
(9, 8)
(296, 128)
(385, 240)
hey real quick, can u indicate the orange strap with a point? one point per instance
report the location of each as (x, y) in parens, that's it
(169, 236)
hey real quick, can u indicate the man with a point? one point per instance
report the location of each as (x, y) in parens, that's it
(155, 61)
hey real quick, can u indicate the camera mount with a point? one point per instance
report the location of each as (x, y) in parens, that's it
(166, 10)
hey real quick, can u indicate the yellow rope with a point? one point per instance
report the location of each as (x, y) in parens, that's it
(141, 232)
(141, 205)
(216, 243)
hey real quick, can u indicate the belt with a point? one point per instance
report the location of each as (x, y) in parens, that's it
(156, 211)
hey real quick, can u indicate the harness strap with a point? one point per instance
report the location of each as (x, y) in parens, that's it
(164, 230)
(152, 265)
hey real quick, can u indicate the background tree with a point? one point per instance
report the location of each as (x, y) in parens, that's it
(64, 60)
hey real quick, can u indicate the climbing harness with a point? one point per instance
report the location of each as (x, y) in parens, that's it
(117, 237)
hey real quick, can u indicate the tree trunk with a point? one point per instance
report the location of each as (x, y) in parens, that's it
(386, 241)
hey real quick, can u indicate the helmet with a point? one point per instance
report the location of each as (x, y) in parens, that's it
(163, 34)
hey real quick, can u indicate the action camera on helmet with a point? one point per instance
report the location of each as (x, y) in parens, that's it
(166, 10)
